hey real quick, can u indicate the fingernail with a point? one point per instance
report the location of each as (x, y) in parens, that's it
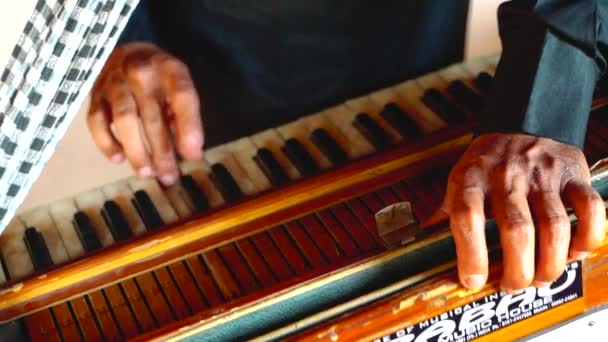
(579, 255)
(541, 284)
(168, 179)
(145, 171)
(474, 281)
(117, 158)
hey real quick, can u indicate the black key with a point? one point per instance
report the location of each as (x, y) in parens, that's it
(372, 131)
(116, 221)
(86, 232)
(147, 211)
(197, 196)
(271, 167)
(36, 247)
(466, 96)
(484, 82)
(442, 107)
(299, 157)
(225, 183)
(328, 146)
(400, 121)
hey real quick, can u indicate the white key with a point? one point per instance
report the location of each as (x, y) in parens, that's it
(179, 200)
(121, 193)
(342, 118)
(2, 276)
(42, 221)
(273, 141)
(90, 203)
(62, 212)
(319, 120)
(433, 80)
(221, 154)
(476, 65)
(366, 105)
(243, 151)
(492, 61)
(199, 170)
(456, 72)
(412, 93)
(156, 194)
(14, 250)
(388, 95)
(300, 130)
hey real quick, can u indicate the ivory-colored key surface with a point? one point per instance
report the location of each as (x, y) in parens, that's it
(492, 62)
(42, 221)
(476, 66)
(412, 93)
(319, 120)
(14, 251)
(199, 170)
(221, 154)
(62, 212)
(179, 200)
(342, 118)
(388, 95)
(273, 141)
(456, 72)
(301, 130)
(121, 194)
(432, 81)
(243, 151)
(364, 104)
(156, 194)
(91, 203)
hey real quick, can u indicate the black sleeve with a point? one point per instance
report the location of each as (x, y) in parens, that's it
(553, 56)
(140, 27)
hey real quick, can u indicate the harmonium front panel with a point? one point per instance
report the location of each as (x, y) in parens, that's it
(336, 169)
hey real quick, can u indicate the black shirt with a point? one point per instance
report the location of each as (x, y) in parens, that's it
(260, 63)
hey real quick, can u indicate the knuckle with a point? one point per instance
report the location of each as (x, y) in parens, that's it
(174, 65)
(519, 226)
(557, 221)
(140, 72)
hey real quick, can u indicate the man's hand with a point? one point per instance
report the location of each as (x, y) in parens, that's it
(140, 96)
(528, 182)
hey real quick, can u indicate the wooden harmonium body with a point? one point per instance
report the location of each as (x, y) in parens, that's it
(272, 236)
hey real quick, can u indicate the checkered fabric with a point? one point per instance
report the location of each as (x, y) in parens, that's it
(50, 72)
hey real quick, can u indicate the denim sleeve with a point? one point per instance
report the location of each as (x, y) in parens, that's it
(553, 56)
(140, 27)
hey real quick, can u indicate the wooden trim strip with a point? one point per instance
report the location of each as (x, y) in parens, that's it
(174, 243)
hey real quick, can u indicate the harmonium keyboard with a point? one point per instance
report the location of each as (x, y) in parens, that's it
(273, 237)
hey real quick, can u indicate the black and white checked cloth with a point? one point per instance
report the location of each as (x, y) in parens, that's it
(51, 70)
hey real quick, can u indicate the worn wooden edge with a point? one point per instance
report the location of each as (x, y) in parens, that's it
(442, 294)
(244, 218)
(419, 302)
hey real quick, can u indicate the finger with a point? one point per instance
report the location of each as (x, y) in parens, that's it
(591, 213)
(99, 124)
(159, 140)
(144, 83)
(516, 232)
(127, 124)
(467, 221)
(183, 101)
(554, 237)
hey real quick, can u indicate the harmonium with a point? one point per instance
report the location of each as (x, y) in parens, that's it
(274, 237)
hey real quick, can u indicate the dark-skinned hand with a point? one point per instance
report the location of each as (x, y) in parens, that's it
(142, 95)
(527, 183)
